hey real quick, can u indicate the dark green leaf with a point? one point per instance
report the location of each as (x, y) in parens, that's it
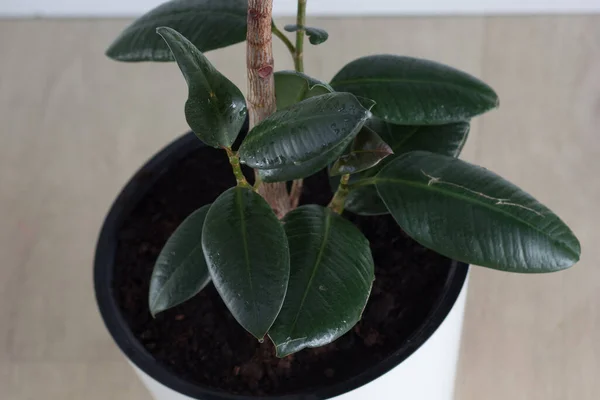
(209, 24)
(292, 87)
(331, 274)
(215, 109)
(303, 169)
(368, 150)
(315, 35)
(440, 139)
(303, 138)
(180, 271)
(411, 91)
(470, 214)
(248, 257)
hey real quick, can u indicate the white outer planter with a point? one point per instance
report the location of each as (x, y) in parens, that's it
(428, 374)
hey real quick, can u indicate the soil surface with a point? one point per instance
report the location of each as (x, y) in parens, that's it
(200, 340)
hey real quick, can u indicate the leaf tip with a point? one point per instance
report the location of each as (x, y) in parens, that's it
(576, 252)
(116, 53)
(161, 30)
(281, 354)
(368, 104)
(110, 52)
(154, 312)
(258, 335)
(283, 349)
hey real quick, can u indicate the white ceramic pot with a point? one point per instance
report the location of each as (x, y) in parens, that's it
(428, 374)
(423, 368)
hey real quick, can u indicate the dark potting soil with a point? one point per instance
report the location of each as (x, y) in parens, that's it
(200, 340)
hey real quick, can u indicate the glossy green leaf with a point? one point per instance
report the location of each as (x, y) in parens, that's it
(315, 35)
(209, 24)
(331, 275)
(303, 138)
(292, 87)
(248, 257)
(412, 91)
(368, 150)
(446, 139)
(215, 108)
(303, 169)
(180, 271)
(470, 214)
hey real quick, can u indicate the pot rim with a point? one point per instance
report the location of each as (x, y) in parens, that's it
(114, 321)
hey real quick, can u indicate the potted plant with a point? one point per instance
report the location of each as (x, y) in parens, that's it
(314, 242)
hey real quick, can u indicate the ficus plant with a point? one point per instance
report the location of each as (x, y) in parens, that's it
(387, 128)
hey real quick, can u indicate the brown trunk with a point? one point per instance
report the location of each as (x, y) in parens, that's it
(261, 88)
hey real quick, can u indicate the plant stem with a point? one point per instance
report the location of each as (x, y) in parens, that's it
(259, 61)
(234, 160)
(299, 65)
(261, 88)
(288, 43)
(257, 181)
(339, 198)
(301, 22)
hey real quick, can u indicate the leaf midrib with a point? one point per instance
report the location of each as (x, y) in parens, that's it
(240, 204)
(314, 271)
(320, 156)
(425, 186)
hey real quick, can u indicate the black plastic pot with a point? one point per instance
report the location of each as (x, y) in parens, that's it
(133, 192)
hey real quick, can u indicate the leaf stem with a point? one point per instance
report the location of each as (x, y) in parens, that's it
(288, 43)
(298, 55)
(234, 160)
(339, 198)
(257, 180)
(300, 21)
(363, 182)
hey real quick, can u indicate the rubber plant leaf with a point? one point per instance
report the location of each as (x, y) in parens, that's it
(209, 24)
(330, 280)
(472, 215)
(248, 258)
(215, 108)
(304, 138)
(412, 91)
(180, 272)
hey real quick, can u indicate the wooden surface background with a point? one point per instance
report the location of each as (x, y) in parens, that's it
(74, 127)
